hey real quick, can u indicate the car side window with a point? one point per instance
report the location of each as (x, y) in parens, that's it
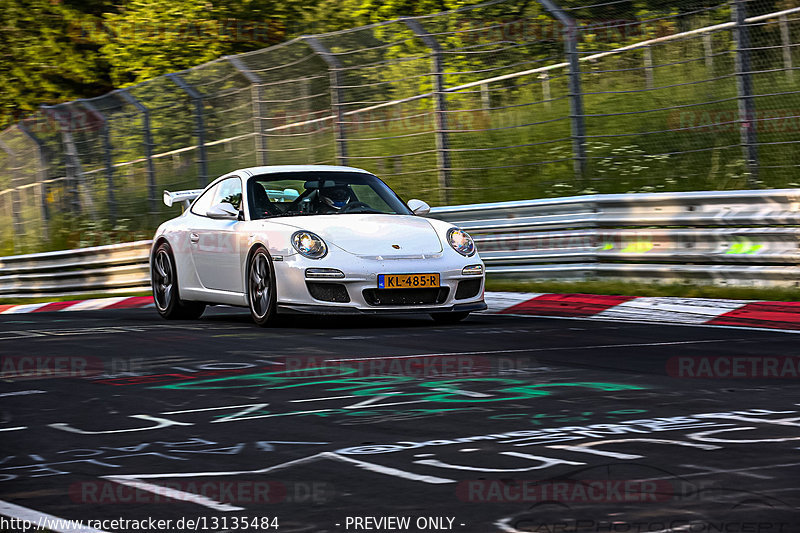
(203, 203)
(229, 191)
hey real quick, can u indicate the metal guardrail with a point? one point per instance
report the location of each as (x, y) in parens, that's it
(742, 238)
(115, 268)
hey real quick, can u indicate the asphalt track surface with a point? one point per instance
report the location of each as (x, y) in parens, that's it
(500, 423)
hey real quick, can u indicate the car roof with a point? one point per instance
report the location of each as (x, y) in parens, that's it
(272, 169)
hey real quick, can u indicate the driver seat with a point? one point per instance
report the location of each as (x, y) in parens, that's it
(261, 202)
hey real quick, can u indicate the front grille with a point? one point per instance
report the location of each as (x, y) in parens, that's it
(468, 289)
(429, 296)
(328, 292)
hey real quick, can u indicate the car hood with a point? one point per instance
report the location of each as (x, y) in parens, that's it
(373, 235)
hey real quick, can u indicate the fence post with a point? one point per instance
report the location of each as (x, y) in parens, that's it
(43, 189)
(72, 164)
(648, 67)
(570, 32)
(199, 126)
(787, 47)
(262, 156)
(107, 160)
(744, 87)
(545, 77)
(16, 203)
(708, 48)
(440, 102)
(337, 95)
(305, 94)
(148, 147)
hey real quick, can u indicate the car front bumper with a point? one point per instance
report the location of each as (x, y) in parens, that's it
(361, 284)
(322, 309)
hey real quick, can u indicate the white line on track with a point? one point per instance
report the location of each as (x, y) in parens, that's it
(648, 322)
(715, 471)
(725, 471)
(529, 350)
(136, 480)
(323, 399)
(260, 405)
(47, 521)
(23, 393)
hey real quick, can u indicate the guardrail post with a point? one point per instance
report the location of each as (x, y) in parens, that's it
(105, 134)
(786, 42)
(570, 32)
(262, 157)
(16, 203)
(148, 147)
(42, 157)
(440, 103)
(200, 129)
(337, 95)
(744, 86)
(72, 164)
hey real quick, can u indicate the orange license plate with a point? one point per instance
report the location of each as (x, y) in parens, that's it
(407, 281)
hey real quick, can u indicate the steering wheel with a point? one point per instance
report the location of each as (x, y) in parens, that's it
(355, 205)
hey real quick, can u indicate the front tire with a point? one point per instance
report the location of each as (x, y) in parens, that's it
(164, 280)
(449, 318)
(261, 293)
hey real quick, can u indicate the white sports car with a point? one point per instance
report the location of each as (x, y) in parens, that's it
(310, 238)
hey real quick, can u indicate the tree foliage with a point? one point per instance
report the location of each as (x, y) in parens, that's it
(59, 50)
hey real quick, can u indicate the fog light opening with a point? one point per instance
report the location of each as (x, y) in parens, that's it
(472, 270)
(324, 273)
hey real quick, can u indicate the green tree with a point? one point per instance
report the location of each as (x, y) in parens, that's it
(149, 38)
(44, 59)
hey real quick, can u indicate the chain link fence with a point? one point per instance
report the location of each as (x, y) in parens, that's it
(505, 100)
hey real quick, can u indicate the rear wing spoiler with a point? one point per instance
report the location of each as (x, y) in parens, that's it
(286, 195)
(181, 196)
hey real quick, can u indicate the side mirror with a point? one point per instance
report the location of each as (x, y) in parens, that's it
(223, 211)
(418, 207)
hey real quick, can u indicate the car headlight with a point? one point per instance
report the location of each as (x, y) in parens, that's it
(461, 241)
(309, 245)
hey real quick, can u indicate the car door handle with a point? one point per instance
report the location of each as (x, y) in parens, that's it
(194, 237)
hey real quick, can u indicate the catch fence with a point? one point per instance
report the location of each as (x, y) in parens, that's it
(506, 100)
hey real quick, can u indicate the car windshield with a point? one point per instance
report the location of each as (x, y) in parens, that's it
(320, 193)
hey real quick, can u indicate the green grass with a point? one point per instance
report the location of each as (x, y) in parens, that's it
(626, 288)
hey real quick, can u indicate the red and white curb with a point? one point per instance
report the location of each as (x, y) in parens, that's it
(121, 302)
(669, 310)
